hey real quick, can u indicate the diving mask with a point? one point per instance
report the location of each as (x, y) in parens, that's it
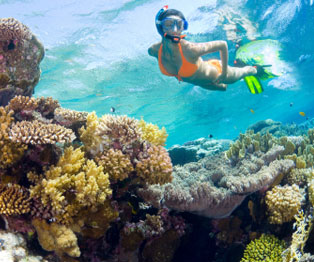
(169, 24)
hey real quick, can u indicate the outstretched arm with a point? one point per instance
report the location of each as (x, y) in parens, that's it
(200, 49)
(153, 50)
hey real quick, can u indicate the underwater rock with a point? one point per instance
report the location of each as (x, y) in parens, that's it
(193, 151)
(20, 55)
(13, 249)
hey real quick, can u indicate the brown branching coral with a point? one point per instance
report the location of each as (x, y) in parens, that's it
(118, 130)
(25, 103)
(14, 200)
(47, 105)
(10, 152)
(116, 164)
(68, 117)
(75, 183)
(156, 167)
(12, 29)
(38, 133)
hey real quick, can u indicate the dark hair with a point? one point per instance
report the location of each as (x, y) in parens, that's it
(170, 12)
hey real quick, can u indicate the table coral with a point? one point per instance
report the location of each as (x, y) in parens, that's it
(14, 200)
(37, 133)
(267, 248)
(213, 187)
(283, 203)
(75, 183)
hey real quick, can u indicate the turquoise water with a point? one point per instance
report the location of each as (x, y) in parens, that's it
(96, 58)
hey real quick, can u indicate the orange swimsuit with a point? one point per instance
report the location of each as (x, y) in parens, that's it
(187, 69)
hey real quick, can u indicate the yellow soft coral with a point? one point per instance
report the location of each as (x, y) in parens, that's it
(73, 184)
(156, 168)
(283, 203)
(87, 134)
(267, 248)
(55, 237)
(152, 133)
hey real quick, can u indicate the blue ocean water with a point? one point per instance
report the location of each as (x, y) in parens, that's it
(96, 58)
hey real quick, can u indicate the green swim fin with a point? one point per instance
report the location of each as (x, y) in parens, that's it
(254, 84)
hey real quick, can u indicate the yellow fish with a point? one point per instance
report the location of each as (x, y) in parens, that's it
(302, 113)
(252, 111)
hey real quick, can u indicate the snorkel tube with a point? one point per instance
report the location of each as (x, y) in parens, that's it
(162, 15)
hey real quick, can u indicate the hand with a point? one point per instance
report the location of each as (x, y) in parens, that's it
(220, 79)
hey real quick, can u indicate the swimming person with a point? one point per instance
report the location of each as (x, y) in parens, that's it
(183, 59)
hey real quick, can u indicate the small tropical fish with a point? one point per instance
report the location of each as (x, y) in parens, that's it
(302, 113)
(252, 111)
(1, 242)
(112, 109)
(291, 104)
(210, 136)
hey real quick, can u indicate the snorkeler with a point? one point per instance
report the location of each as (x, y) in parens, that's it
(183, 59)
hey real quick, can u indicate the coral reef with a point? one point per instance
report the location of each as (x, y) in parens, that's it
(156, 167)
(152, 133)
(58, 238)
(213, 187)
(266, 248)
(20, 55)
(14, 249)
(10, 152)
(14, 200)
(38, 133)
(283, 203)
(74, 184)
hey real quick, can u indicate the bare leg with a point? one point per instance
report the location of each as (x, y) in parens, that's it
(237, 73)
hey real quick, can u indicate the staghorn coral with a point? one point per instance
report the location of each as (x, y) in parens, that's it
(266, 248)
(283, 203)
(58, 238)
(10, 152)
(116, 164)
(12, 29)
(152, 133)
(14, 200)
(23, 103)
(68, 117)
(38, 133)
(213, 187)
(75, 183)
(155, 167)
